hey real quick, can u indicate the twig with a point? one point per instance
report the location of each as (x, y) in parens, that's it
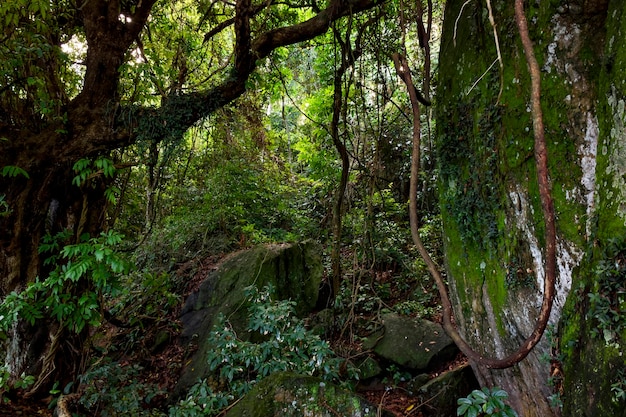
(497, 41)
(481, 77)
(456, 22)
(417, 407)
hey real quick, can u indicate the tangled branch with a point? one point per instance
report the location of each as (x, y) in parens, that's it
(541, 162)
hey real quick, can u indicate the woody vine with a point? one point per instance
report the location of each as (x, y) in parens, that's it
(541, 163)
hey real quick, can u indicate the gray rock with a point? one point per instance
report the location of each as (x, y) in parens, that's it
(293, 270)
(415, 344)
(369, 368)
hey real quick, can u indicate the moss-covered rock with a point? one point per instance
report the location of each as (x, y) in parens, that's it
(293, 270)
(415, 344)
(288, 395)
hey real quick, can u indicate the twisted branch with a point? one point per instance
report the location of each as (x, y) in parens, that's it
(541, 162)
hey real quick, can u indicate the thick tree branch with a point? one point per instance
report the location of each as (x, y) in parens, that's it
(248, 52)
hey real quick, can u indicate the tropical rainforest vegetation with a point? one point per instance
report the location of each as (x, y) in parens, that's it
(141, 140)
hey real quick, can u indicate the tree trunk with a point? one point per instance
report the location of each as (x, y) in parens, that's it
(490, 201)
(47, 202)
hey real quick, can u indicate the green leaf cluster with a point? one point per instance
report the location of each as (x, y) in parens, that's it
(608, 300)
(22, 382)
(112, 389)
(485, 402)
(13, 171)
(285, 345)
(71, 294)
(86, 169)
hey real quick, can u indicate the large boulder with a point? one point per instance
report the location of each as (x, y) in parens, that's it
(415, 344)
(293, 270)
(288, 395)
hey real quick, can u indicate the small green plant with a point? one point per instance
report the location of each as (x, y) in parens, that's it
(24, 381)
(608, 300)
(416, 308)
(485, 402)
(286, 345)
(619, 388)
(112, 389)
(398, 376)
(4, 206)
(86, 169)
(9, 171)
(201, 400)
(93, 262)
(13, 171)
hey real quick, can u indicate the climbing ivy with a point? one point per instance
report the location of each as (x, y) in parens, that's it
(468, 160)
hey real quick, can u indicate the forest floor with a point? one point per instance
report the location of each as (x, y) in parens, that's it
(163, 368)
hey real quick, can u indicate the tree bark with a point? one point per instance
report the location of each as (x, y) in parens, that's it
(491, 203)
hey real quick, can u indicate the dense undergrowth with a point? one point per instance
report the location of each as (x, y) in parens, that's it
(265, 171)
(140, 280)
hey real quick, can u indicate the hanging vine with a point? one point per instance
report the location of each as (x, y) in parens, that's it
(541, 161)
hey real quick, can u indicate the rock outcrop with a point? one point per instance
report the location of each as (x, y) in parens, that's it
(414, 344)
(289, 395)
(293, 270)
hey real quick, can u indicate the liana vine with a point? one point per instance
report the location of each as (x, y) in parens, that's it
(541, 162)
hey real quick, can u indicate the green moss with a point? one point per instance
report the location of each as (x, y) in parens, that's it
(288, 395)
(591, 86)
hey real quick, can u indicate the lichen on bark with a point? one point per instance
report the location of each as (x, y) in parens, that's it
(569, 42)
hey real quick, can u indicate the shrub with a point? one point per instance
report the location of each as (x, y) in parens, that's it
(485, 402)
(285, 345)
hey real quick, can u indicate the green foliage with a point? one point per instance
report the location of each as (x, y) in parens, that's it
(238, 201)
(13, 171)
(4, 206)
(414, 308)
(361, 297)
(9, 171)
(618, 388)
(86, 169)
(32, 90)
(398, 376)
(145, 304)
(148, 294)
(201, 400)
(82, 274)
(485, 402)
(112, 389)
(24, 381)
(284, 345)
(469, 194)
(608, 301)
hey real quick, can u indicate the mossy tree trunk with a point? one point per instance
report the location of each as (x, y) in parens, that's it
(490, 199)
